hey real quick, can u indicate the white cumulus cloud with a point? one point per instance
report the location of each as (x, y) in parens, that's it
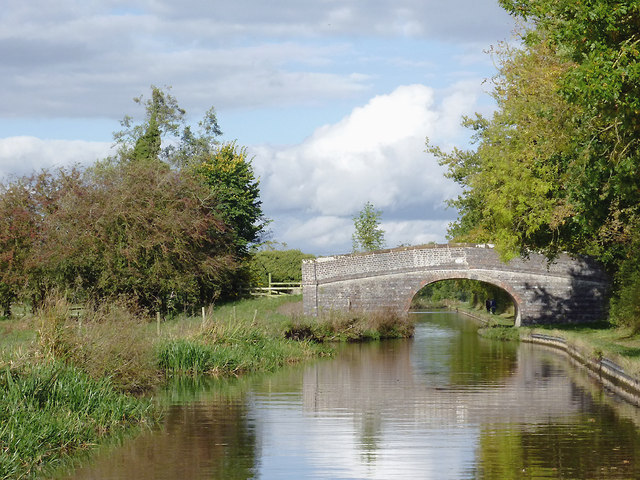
(24, 155)
(376, 154)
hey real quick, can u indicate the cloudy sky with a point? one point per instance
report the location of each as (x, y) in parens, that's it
(333, 98)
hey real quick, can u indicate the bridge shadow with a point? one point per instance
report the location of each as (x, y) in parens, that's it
(586, 301)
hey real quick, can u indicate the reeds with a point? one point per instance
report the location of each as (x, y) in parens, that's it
(49, 411)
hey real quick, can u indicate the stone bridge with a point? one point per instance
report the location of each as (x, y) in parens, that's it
(568, 290)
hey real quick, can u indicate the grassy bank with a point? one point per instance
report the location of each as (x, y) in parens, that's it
(266, 334)
(50, 411)
(69, 381)
(351, 327)
(596, 341)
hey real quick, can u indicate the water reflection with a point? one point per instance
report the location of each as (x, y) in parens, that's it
(210, 437)
(446, 405)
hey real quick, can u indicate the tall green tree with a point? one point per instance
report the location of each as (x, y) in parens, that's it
(515, 180)
(368, 234)
(228, 172)
(600, 40)
(557, 167)
(164, 119)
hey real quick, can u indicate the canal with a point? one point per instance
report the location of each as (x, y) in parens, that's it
(446, 404)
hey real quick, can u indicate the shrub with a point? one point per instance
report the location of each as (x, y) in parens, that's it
(283, 265)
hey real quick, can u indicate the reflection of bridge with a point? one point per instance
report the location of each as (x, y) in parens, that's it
(533, 391)
(567, 290)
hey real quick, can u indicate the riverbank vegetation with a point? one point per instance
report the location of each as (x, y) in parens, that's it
(350, 327)
(50, 411)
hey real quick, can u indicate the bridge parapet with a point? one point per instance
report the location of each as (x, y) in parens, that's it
(568, 289)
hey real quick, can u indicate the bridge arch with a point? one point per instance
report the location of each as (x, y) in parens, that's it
(566, 290)
(515, 298)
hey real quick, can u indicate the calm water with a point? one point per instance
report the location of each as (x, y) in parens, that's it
(444, 405)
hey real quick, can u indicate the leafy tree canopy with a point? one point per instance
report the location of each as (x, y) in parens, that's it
(167, 221)
(165, 119)
(228, 172)
(283, 265)
(557, 167)
(164, 137)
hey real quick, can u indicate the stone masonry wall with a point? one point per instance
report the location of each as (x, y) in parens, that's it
(568, 290)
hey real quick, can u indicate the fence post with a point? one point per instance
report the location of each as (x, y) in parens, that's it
(158, 323)
(269, 291)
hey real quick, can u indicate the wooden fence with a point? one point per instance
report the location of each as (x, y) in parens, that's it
(278, 288)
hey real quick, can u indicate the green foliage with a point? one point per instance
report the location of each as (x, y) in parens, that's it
(502, 333)
(458, 289)
(50, 411)
(515, 187)
(148, 145)
(238, 338)
(166, 223)
(143, 141)
(557, 167)
(600, 41)
(283, 265)
(256, 352)
(368, 235)
(151, 234)
(229, 174)
(625, 305)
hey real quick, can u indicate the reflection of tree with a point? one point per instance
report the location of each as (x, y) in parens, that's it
(370, 431)
(475, 360)
(215, 437)
(597, 445)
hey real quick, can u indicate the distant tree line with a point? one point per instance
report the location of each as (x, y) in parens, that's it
(557, 166)
(168, 221)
